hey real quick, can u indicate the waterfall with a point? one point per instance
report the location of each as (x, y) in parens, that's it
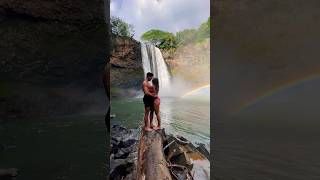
(153, 61)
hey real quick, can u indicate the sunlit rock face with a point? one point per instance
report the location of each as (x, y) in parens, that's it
(190, 63)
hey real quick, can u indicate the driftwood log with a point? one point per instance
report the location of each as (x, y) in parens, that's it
(151, 163)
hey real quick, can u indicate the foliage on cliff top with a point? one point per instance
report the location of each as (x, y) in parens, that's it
(161, 39)
(186, 36)
(168, 41)
(194, 35)
(204, 31)
(120, 27)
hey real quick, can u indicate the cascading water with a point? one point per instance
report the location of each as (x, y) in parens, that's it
(153, 61)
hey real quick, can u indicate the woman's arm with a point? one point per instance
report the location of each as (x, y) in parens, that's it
(156, 90)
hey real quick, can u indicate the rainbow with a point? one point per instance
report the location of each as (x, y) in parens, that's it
(195, 90)
(276, 89)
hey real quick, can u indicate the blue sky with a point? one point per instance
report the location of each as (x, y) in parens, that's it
(167, 15)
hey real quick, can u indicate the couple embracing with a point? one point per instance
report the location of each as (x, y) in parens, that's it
(151, 100)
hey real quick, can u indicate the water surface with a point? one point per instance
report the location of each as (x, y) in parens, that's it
(72, 147)
(187, 117)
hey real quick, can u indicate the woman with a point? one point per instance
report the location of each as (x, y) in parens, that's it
(156, 103)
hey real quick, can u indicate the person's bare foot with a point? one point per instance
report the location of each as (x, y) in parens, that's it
(147, 129)
(157, 127)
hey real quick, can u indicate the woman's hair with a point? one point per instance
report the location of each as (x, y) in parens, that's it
(155, 82)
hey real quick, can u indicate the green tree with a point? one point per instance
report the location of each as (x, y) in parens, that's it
(186, 36)
(161, 39)
(204, 31)
(120, 28)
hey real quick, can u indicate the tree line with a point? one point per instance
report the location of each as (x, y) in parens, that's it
(162, 39)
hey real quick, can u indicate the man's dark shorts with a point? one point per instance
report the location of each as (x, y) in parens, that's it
(148, 101)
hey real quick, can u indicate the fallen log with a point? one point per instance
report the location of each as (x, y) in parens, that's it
(151, 163)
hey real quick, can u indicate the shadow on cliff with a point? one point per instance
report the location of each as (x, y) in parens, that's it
(52, 59)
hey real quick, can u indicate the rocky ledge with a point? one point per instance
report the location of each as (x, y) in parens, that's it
(123, 155)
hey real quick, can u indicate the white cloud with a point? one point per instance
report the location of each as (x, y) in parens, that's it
(167, 15)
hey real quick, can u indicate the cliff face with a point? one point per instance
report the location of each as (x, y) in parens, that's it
(126, 66)
(190, 62)
(51, 52)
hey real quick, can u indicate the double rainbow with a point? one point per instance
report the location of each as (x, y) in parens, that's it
(279, 87)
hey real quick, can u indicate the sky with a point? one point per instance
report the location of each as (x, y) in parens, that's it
(166, 15)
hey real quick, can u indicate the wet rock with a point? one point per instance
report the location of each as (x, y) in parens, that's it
(185, 158)
(182, 159)
(123, 154)
(180, 173)
(174, 150)
(128, 143)
(121, 171)
(115, 163)
(202, 149)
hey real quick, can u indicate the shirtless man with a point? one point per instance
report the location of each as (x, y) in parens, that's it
(148, 100)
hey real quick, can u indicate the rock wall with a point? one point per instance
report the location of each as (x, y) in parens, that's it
(126, 66)
(190, 62)
(51, 52)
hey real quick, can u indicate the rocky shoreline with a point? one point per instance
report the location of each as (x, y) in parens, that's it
(124, 152)
(183, 159)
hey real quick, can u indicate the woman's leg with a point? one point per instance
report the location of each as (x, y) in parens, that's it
(157, 110)
(151, 117)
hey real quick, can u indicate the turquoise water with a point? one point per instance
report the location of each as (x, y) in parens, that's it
(72, 147)
(188, 117)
